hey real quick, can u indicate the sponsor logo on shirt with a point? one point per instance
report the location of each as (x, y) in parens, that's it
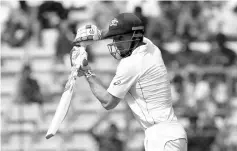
(117, 82)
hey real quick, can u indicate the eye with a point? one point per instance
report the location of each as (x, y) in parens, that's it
(117, 38)
(120, 37)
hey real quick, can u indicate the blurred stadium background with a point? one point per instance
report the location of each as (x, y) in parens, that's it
(198, 40)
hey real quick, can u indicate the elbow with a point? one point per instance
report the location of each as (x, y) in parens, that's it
(109, 102)
(108, 106)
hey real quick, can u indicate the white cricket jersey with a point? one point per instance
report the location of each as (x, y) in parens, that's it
(144, 76)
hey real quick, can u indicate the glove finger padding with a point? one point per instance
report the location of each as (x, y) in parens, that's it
(73, 55)
(78, 58)
(87, 33)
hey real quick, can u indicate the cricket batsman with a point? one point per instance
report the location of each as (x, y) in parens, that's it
(142, 74)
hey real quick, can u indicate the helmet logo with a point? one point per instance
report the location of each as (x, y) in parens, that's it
(114, 22)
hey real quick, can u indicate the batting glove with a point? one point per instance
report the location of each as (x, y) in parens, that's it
(79, 61)
(87, 34)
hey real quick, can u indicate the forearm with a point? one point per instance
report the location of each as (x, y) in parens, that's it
(99, 91)
(85, 36)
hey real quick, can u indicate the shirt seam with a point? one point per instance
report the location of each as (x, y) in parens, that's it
(146, 102)
(139, 107)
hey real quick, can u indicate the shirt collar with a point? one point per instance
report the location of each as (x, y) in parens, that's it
(142, 48)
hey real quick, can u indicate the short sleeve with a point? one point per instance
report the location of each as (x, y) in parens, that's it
(125, 77)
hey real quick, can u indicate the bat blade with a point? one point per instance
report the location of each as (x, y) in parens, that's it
(78, 58)
(61, 111)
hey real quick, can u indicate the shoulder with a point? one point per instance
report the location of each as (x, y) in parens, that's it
(127, 67)
(151, 47)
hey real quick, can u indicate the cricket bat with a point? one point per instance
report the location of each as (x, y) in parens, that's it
(78, 58)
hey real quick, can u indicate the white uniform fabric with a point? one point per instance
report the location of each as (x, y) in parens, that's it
(176, 145)
(168, 136)
(144, 76)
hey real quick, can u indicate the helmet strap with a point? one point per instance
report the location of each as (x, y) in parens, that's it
(136, 38)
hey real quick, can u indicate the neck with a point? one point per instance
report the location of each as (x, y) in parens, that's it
(140, 44)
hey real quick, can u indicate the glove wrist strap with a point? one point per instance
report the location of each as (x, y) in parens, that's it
(89, 74)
